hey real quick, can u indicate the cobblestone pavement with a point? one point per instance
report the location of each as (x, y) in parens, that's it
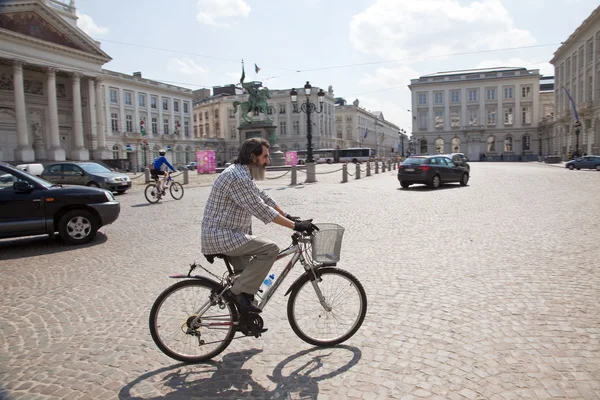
(489, 291)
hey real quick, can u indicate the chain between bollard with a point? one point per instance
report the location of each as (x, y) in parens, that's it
(351, 174)
(277, 177)
(330, 172)
(139, 176)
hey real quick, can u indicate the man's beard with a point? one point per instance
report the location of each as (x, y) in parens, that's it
(258, 172)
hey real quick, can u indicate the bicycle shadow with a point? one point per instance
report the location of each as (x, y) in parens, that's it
(230, 381)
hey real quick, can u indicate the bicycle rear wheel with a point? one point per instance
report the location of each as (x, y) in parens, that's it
(347, 302)
(172, 316)
(176, 190)
(152, 194)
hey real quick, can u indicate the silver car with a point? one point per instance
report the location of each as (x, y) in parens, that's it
(87, 174)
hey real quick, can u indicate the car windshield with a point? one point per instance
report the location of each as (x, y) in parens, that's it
(32, 178)
(92, 168)
(414, 160)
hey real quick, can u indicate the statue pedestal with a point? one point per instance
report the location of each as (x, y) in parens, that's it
(277, 157)
(266, 130)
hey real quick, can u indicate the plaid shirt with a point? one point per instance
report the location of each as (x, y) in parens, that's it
(234, 199)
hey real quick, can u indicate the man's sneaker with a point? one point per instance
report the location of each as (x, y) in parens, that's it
(243, 302)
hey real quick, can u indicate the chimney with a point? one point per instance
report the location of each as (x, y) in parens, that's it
(137, 74)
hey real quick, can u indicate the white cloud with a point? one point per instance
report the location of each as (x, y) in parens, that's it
(425, 28)
(545, 67)
(87, 24)
(389, 77)
(186, 66)
(221, 13)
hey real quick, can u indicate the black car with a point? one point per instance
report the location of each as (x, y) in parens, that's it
(432, 171)
(32, 206)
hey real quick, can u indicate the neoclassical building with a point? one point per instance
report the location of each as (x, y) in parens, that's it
(48, 83)
(57, 102)
(216, 123)
(481, 111)
(577, 69)
(358, 127)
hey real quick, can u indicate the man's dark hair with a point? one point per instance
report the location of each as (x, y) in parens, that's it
(249, 147)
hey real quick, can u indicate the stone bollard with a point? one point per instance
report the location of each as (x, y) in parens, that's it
(382, 167)
(376, 167)
(389, 165)
(147, 175)
(345, 173)
(357, 171)
(368, 168)
(294, 176)
(311, 175)
(186, 178)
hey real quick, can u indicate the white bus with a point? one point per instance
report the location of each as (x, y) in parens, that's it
(326, 155)
(302, 156)
(356, 154)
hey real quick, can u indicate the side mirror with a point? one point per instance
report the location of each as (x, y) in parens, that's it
(22, 187)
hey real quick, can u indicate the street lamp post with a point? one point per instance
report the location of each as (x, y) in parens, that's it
(308, 108)
(577, 126)
(402, 135)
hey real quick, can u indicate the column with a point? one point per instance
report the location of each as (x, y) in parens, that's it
(101, 117)
(24, 151)
(56, 152)
(172, 120)
(92, 111)
(136, 113)
(160, 125)
(79, 153)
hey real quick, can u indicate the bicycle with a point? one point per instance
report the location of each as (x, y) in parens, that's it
(154, 195)
(203, 323)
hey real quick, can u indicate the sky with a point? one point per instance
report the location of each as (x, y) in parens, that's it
(366, 50)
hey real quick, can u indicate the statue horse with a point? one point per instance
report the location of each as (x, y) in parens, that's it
(257, 103)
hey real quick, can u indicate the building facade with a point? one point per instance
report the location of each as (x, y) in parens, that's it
(50, 74)
(216, 122)
(142, 116)
(57, 103)
(491, 112)
(577, 71)
(358, 127)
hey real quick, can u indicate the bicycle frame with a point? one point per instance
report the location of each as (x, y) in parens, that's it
(297, 253)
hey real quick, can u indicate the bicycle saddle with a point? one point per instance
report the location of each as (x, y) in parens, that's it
(211, 257)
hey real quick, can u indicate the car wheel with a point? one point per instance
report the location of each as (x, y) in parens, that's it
(435, 182)
(77, 227)
(597, 167)
(93, 184)
(405, 185)
(578, 169)
(464, 180)
(571, 167)
(121, 191)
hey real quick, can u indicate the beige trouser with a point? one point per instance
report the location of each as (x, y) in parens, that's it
(254, 272)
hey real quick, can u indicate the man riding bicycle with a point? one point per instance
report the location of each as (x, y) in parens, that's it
(227, 223)
(156, 169)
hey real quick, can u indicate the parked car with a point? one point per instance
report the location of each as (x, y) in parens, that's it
(586, 162)
(32, 206)
(192, 166)
(33, 169)
(432, 171)
(87, 174)
(459, 158)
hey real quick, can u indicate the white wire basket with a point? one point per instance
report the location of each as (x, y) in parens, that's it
(327, 243)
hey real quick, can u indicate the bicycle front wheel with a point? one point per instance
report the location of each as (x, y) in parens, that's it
(176, 190)
(176, 330)
(151, 193)
(338, 318)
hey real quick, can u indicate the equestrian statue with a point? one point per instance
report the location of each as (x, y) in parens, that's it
(257, 101)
